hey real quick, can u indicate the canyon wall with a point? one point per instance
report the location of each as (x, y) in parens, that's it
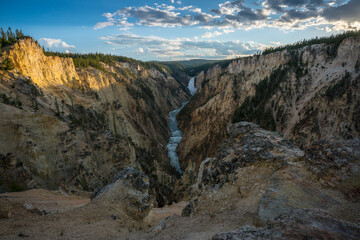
(305, 94)
(78, 127)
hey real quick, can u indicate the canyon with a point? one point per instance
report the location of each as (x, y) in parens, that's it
(261, 147)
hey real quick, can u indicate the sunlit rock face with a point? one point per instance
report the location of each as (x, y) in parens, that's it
(305, 94)
(78, 127)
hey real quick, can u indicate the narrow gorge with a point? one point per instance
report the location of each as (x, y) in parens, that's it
(176, 134)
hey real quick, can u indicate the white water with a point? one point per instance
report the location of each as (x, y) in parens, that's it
(191, 86)
(176, 134)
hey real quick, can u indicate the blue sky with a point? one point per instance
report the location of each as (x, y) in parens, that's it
(174, 30)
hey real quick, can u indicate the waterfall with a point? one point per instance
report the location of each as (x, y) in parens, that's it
(191, 86)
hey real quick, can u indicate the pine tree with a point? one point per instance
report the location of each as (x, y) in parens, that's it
(10, 35)
(19, 34)
(3, 36)
(57, 113)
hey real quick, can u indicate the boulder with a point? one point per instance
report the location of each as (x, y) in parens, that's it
(129, 194)
(298, 224)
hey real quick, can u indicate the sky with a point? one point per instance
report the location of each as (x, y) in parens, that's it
(177, 30)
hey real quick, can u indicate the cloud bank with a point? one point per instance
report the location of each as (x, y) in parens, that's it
(227, 17)
(239, 14)
(183, 48)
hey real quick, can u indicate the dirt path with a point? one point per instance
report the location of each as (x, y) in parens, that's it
(44, 200)
(157, 214)
(41, 214)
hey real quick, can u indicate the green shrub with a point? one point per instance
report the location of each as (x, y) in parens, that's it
(338, 89)
(57, 109)
(7, 64)
(18, 102)
(15, 187)
(6, 99)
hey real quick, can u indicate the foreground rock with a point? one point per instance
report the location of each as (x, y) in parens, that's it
(299, 224)
(130, 194)
(259, 176)
(336, 164)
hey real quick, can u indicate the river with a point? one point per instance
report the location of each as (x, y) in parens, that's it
(176, 134)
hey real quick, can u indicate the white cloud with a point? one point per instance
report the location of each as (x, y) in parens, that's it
(228, 31)
(179, 2)
(196, 10)
(217, 33)
(185, 8)
(140, 50)
(100, 25)
(108, 15)
(55, 43)
(183, 48)
(228, 8)
(211, 34)
(327, 29)
(172, 1)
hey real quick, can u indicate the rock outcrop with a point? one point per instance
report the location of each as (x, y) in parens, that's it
(263, 178)
(129, 194)
(299, 224)
(77, 128)
(305, 94)
(336, 164)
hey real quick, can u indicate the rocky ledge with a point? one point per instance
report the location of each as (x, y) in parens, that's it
(299, 224)
(278, 189)
(129, 194)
